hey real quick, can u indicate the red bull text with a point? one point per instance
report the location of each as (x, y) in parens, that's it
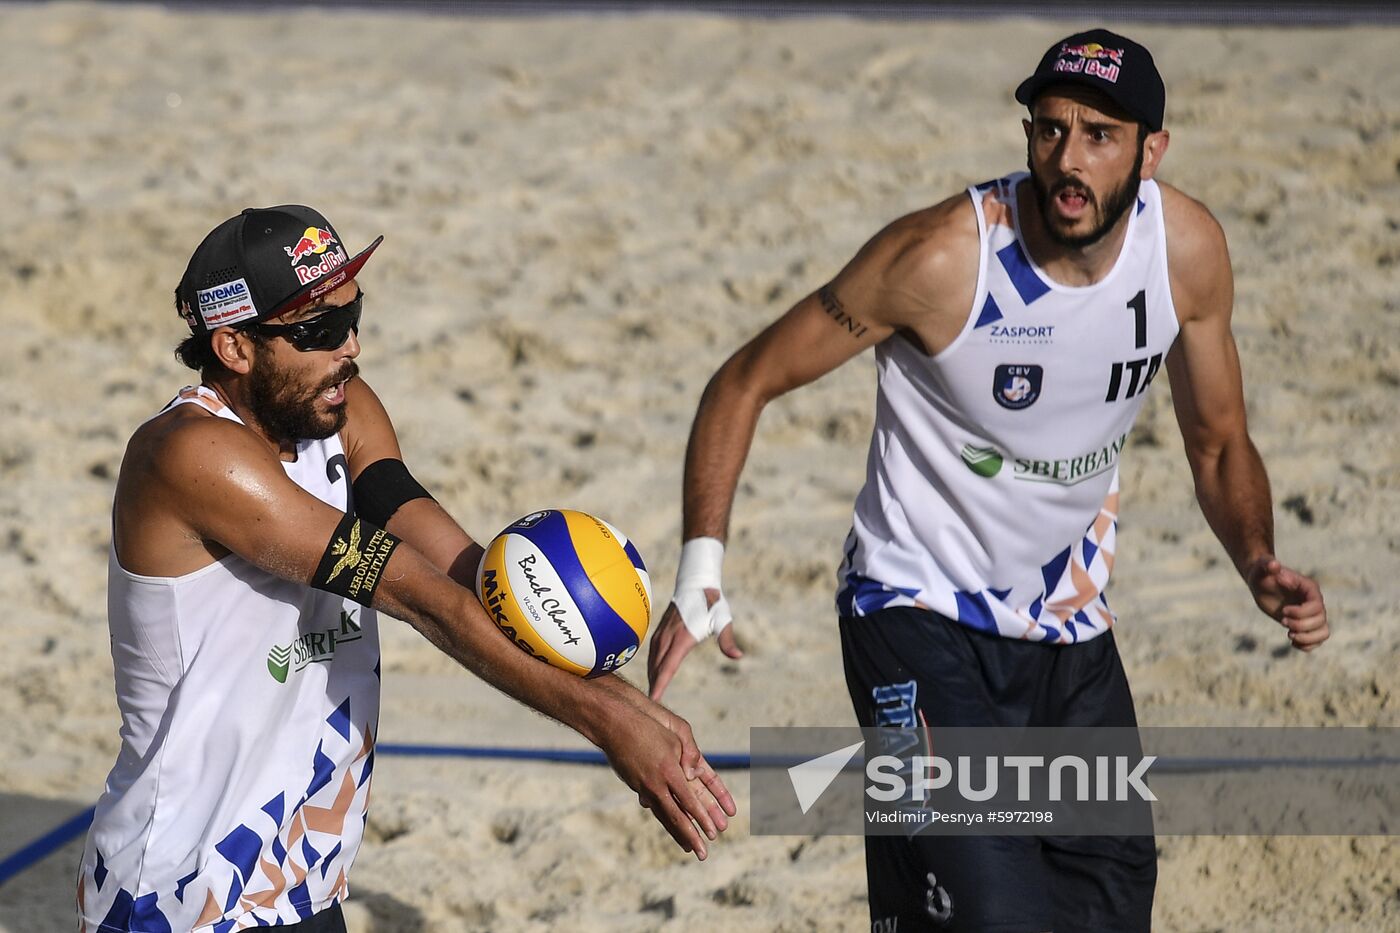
(331, 261)
(1091, 59)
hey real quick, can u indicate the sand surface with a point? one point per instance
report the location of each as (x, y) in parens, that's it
(584, 216)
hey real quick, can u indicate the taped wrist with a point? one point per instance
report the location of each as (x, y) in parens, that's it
(699, 570)
(384, 486)
(700, 564)
(354, 560)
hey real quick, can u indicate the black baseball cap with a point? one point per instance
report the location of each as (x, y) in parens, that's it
(1104, 60)
(264, 262)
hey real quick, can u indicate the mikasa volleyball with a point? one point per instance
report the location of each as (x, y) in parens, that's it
(569, 589)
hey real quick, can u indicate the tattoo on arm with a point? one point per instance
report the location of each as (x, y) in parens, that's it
(837, 312)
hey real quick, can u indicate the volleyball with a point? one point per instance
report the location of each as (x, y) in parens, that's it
(568, 589)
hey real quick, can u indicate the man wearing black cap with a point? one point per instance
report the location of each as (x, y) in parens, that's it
(1017, 328)
(260, 520)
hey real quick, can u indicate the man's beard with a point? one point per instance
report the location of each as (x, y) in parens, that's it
(1115, 204)
(286, 408)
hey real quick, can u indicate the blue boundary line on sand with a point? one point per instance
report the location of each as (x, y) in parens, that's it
(50, 842)
(583, 756)
(74, 827)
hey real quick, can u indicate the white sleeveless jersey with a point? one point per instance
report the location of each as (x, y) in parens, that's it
(991, 494)
(249, 706)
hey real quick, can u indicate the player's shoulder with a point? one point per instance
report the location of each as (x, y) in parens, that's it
(1193, 233)
(1198, 258)
(922, 263)
(934, 233)
(931, 247)
(188, 444)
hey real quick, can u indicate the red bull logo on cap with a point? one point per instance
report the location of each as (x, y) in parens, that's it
(1093, 50)
(314, 241)
(1091, 59)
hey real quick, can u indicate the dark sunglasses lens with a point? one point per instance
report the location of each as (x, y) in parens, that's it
(330, 330)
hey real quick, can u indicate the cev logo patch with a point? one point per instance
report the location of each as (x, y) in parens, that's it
(1017, 385)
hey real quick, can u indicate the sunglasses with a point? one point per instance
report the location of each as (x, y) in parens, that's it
(327, 331)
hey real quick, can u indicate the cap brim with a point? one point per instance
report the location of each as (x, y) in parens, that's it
(321, 287)
(1027, 89)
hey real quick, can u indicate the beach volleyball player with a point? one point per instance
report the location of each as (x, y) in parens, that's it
(1017, 328)
(260, 520)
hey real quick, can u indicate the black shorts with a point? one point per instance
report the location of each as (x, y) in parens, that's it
(907, 667)
(330, 920)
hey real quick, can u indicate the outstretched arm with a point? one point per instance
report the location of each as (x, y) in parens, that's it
(804, 344)
(228, 487)
(1232, 486)
(369, 438)
(917, 274)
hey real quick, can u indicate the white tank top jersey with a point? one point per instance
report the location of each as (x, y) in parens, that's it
(991, 492)
(249, 706)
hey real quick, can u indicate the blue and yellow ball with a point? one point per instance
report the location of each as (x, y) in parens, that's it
(568, 589)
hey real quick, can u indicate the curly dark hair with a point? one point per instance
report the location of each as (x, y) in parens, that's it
(196, 352)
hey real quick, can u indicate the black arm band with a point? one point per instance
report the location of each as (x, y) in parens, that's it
(382, 487)
(354, 560)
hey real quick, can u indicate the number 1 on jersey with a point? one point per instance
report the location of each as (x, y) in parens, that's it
(1140, 372)
(1139, 306)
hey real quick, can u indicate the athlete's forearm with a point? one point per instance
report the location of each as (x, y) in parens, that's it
(719, 445)
(433, 533)
(1232, 488)
(452, 619)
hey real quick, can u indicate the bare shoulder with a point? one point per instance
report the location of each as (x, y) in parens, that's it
(1198, 258)
(944, 224)
(188, 448)
(936, 243)
(1191, 228)
(180, 469)
(924, 262)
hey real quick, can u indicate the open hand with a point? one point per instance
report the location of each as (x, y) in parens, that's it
(672, 641)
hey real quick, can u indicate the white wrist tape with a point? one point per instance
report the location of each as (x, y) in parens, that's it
(699, 570)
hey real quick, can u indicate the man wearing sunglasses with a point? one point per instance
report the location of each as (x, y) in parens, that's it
(260, 520)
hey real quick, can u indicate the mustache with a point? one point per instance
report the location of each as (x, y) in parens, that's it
(344, 374)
